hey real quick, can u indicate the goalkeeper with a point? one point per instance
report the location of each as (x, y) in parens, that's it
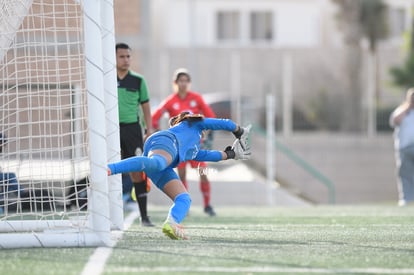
(164, 150)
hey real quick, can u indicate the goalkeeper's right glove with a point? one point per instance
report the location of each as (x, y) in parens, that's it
(243, 135)
(237, 151)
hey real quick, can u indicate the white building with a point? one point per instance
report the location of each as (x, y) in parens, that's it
(258, 23)
(242, 45)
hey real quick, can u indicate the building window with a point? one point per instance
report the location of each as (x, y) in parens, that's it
(228, 25)
(397, 22)
(261, 26)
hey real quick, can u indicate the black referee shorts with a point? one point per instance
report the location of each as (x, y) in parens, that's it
(131, 139)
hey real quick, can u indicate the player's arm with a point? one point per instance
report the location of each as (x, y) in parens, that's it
(226, 125)
(145, 106)
(146, 110)
(210, 155)
(241, 133)
(398, 115)
(236, 151)
(219, 124)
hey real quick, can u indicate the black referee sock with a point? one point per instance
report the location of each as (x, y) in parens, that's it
(141, 195)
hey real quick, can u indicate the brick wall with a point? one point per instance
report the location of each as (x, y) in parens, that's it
(127, 17)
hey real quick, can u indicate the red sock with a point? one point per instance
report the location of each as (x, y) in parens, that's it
(206, 191)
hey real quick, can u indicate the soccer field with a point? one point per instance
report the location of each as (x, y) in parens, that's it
(374, 239)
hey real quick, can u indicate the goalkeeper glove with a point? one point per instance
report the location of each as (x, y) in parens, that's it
(242, 134)
(237, 152)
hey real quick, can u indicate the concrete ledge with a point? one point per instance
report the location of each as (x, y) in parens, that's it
(361, 168)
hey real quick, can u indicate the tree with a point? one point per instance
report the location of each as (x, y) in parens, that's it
(404, 75)
(374, 23)
(359, 19)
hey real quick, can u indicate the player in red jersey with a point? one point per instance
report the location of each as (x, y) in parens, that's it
(183, 99)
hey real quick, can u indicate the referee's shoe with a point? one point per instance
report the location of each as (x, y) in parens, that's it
(145, 221)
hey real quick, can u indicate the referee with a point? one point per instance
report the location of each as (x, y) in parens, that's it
(133, 94)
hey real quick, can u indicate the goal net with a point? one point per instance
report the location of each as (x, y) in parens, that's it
(58, 118)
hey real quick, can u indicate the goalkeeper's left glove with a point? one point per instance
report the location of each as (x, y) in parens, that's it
(243, 135)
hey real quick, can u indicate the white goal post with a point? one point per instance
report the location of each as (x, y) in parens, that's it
(58, 124)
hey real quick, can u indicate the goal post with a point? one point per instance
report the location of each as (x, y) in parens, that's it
(111, 109)
(58, 124)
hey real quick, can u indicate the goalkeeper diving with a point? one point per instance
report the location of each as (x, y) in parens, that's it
(165, 149)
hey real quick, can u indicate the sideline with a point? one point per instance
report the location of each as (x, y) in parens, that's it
(97, 261)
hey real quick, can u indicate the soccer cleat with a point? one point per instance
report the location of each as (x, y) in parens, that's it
(145, 221)
(209, 211)
(173, 230)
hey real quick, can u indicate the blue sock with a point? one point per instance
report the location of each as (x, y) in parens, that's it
(138, 164)
(180, 207)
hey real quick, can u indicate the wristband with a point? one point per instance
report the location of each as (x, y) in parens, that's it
(229, 152)
(238, 133)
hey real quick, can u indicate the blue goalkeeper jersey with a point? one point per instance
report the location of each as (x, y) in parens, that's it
(188, 136)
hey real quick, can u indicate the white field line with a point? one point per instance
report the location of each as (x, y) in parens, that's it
(258, 269)
(341, 225)
(97, 261)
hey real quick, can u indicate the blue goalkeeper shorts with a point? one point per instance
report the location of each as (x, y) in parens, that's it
(166, 142)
